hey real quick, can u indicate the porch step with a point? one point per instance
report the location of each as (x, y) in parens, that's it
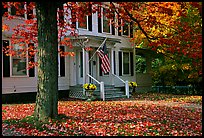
(111, 92)
(116, 96)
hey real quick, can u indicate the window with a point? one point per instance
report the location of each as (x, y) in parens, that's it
(128, 29)
(106, 22)
(29, 11)
(83, 24)
(125, 63)
(16, 65)
(19, 63)
(24, 10)
(19, 12)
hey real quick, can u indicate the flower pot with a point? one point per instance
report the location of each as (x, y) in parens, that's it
(89, 94)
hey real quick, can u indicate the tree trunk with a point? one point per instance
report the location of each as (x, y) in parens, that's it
(47, 57)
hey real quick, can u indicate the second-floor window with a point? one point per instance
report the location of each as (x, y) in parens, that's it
(128, 29)
(106, 22)
(23, 9)
(86, 23)
(83, 24)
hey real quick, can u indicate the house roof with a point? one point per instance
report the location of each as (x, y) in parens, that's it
(145, 51)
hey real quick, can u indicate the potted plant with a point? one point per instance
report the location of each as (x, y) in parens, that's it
(89, 88)
(132, 86)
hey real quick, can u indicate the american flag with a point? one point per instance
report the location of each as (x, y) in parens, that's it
(103, 54)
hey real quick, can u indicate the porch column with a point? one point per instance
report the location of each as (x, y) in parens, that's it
(134, 60)
(112, 66)
(84, 68)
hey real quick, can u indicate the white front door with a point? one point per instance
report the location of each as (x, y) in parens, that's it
(79, 67)
(93, 66)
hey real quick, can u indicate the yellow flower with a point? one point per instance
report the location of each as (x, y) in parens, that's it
(90, 86)
(132, 84)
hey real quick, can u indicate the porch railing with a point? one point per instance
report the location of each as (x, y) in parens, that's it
(126, 85)
(102, 93)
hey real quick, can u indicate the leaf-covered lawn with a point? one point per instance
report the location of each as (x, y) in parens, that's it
(169, 98)
(110, 118)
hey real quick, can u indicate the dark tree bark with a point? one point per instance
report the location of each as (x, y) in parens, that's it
(47, 86)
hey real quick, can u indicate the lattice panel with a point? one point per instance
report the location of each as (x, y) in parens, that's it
(76, 94)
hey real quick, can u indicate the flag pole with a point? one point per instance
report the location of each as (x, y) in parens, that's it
(98, 48)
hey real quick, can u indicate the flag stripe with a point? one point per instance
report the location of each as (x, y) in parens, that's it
(105, 65)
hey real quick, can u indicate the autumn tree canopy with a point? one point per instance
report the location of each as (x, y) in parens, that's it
(171, 28)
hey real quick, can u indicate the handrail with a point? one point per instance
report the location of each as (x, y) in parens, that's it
(93, 79)
(119, 78)
(126, 85)
(102, 92)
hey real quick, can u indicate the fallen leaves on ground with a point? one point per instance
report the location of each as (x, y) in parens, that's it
(109, 118)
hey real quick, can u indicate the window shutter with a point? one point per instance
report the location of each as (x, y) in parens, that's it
(62, 63)
(73, 18)
(32, 59)
(131, 64)
(6, 60)
(90, 18)
(100, 70)
(3, 10)
(113, 26)
(120, 63)
(99, 20)
(119, 28)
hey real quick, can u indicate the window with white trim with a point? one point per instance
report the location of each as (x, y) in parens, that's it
(83, 24)
(26, 13)
(87, 20)
(106, 22)
(128, 29)
(125, 63)
(19, 63)
(16, 66)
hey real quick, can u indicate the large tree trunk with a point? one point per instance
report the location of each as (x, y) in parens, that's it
(47, 87)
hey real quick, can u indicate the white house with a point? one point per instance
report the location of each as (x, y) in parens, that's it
(82, 68)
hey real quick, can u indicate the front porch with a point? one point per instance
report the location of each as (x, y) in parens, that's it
(85, 67)
(110, 92)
